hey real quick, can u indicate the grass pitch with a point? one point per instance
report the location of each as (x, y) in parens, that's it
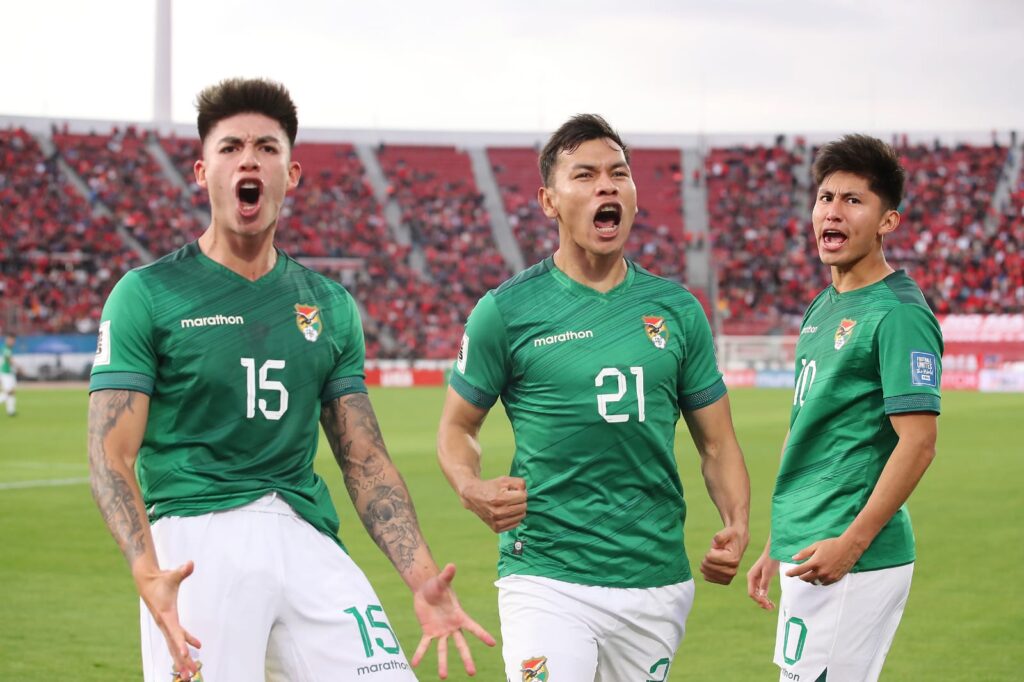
(69, 611)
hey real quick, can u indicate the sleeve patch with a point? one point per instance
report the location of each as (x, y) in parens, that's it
(463, 353)
(103, 346)
(922, 369)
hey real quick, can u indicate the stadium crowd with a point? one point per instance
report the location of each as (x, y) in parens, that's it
(62, 251)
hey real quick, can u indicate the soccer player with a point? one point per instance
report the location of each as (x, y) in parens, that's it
(213, 366)
(861, 432)
(594, 359)
(8, 376)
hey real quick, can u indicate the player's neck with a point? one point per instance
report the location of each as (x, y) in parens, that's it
(865, 272)
(247, 256)
(599, 272)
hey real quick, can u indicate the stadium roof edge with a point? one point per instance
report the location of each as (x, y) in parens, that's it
(41, 125)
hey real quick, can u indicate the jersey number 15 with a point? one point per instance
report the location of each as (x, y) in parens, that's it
(266, 384)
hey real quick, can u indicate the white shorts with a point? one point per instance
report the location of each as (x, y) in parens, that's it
(7, 383)
(845, 628)
(585, 633)
(271, 598)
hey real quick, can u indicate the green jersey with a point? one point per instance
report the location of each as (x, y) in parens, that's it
(593, 385)
(236, 372)
(6, 361)
(863, 356)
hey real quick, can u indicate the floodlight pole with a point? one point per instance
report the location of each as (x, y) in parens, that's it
(162, 66)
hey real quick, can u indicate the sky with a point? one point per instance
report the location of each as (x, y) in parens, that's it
(649, 66)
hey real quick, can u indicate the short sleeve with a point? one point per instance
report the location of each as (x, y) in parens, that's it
(349, 373)
(483, 366)
(700, 381)
(125, 351)
(910, 359)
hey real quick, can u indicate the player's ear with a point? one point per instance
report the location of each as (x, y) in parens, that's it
(545, 197)
(294, 173)
(890, 221)
(199, 168)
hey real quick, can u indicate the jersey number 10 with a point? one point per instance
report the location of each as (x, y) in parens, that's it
(265, 384)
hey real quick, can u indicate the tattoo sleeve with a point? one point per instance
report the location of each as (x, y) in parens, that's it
(116, 495)
(377, 490)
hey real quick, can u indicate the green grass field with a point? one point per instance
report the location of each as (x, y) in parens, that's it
(68, 609)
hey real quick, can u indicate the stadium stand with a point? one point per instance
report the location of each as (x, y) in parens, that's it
(58, 259)
(123, 176)
(757, 214)
(62, 251)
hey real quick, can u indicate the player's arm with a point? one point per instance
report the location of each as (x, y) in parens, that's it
(728, 484)
(117, 423)
(385, 507)
(831, 559)
(499, 502)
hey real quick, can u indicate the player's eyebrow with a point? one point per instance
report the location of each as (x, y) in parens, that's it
(262, 139)
(594, 167)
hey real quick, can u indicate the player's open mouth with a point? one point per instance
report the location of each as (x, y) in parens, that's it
(249, 193)
(607, 218)
(832, 240)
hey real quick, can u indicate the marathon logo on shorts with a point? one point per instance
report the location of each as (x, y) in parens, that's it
(393, 664)
(656, 330)
(307, 317)
(535, 669)
(843, 332)
(922, 369)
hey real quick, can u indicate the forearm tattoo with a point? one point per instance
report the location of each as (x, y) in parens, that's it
(374, 484)
(115, 497)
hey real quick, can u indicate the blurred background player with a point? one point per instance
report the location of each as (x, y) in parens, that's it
(594, 358)
(862, 432)
(8, 376)
(213, 366)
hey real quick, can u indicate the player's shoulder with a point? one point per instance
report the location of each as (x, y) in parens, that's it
(525, 281)
(903, 290)
(652, 285)
(318, 281)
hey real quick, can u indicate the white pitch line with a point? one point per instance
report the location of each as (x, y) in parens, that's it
(47, 483)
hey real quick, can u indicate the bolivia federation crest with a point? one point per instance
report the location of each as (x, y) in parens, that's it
(535, 669)
(843, 332)
(656, 330)
(307, 317)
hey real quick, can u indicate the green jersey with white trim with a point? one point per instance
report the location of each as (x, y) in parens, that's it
(236, 372)
(593, 385)
(863, 356)
(7, 361)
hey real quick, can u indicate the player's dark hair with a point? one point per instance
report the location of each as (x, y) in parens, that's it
(574, 132)
(246, 96)
(868, 157)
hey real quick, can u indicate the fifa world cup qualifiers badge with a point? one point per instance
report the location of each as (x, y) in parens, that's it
(657, 330)
(307, 317)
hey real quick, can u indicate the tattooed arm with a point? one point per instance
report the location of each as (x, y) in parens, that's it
(117, 423)
(383, 503)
